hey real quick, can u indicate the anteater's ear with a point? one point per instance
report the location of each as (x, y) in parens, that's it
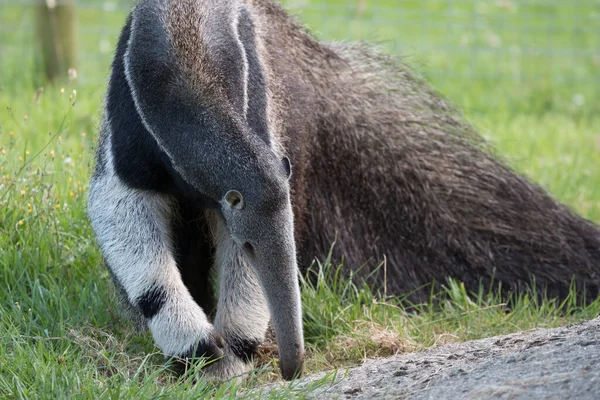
(287, 166)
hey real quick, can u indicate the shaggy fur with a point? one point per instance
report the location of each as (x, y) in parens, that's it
(386, 168)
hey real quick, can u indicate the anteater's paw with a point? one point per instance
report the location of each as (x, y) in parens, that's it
(230, 367)
(237, 361)
(181, 330)
(210, 348)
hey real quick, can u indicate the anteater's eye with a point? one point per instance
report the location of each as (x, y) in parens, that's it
(235, 199)
(249, 248)
(287, 166)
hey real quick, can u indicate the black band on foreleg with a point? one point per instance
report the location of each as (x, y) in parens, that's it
(243, 348)
(152, 301)
(210, 348)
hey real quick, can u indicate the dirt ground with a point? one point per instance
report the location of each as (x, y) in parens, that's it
(561, 363)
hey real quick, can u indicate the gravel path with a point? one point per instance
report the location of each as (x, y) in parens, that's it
(561, 363)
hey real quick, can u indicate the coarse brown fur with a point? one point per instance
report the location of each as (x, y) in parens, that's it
(387, 169)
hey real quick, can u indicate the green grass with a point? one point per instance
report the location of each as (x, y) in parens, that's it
(60, 331)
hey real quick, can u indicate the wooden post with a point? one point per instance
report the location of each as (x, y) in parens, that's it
(361, 6)
(55, 26)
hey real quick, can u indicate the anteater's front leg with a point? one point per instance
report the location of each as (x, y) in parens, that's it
(132, 228)
(242, 313)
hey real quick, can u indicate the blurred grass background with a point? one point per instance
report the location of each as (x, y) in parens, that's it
(514, 55)
(525, 72)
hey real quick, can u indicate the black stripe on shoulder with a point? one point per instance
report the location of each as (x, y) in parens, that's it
(152, 301)
(137, 158)
(257, 87)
